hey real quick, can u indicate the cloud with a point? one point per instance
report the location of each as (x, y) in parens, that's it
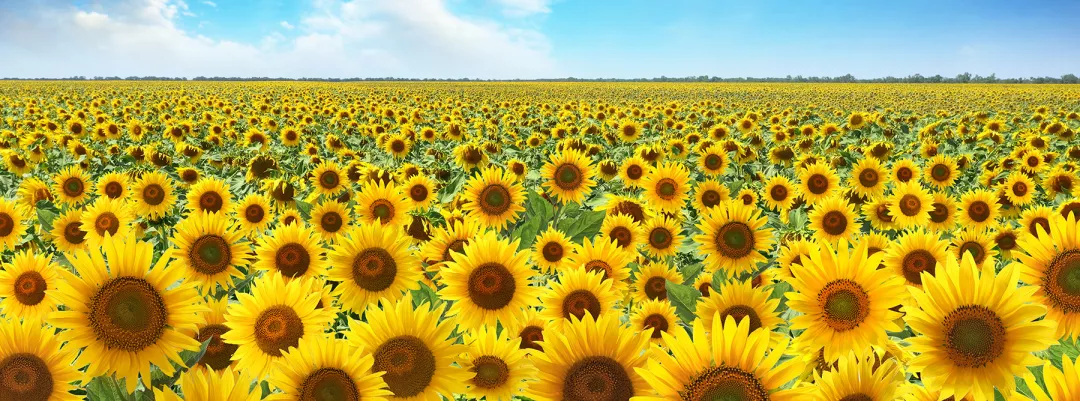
(358, 38)
(286, 25)
(210, 3)
(521, 8)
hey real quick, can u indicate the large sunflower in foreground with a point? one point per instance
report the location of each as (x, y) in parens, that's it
(975, 330)
(12, 226)
(292, 251)
(845, 299)
(488, 282)
(209, 250)
(373, 262)
(32, 364)
(577, 292)
(733, 237)
(276, 315)
(724, 361)
(28, 285)
(666, 187)
(592, 360)
(124, 313)
(568, 175)
(1051, 263)
(414, 348)
(502, 368)
(494, 198)
(325, 368)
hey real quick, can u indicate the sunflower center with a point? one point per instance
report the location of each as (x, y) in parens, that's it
(734, 240)
(1037, 222)
(975, 249)
(382, 210)
(904, 174)
(73, 232)
(254, 214)
(857, 397)
(631, 209)
(113, 190)
(457, 245)
(153, 194)
(666, 188)
(210, 255)
(868, 178)
(25, 376)
(374, 269)
(940, 172)
(974, 336)
(818, 184)
(910, 205)
(660, 238)
(292, 260)
(106, 223)
(218, 353)
(331, 222)
(724, 383)
(778, 193)
(834, 223)
(495, 200)
(211, 201)
(656, 288)
(329, 384)
(598, 265)
(939, 213)
(568, 177)
(7, 225)
(739, 312)
(491, 286)
(1062, 281)
(577, 302)
(622, 236)
(418, 193)
(629, 131)
(844, 304)
(634, 172)
(409, 365)
(552, 252)
(128, 314)
(397, 146)
(710, 198)
(1005, 241)
(979, 211)
(1020, 189)
(713, 161)
(73, 187)
(30, 288)
(277, 329)
(597, 378)
(916, 262)
(491, 372)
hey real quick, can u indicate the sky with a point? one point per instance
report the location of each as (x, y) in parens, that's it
(507, 39)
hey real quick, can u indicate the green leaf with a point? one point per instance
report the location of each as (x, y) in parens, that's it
(538, 212)
(691, 272)
(425, 295)
(304, 208)
(718, 277)
(685, 298)
(452, 188)
(586, 224)
(265, 388)
(107, 388)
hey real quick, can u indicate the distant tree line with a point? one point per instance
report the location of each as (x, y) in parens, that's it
(917, 78)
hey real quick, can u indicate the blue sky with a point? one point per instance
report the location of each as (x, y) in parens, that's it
(538, 38)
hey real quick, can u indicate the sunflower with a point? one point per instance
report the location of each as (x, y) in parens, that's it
(106, 217)
(1036, 221)
(978, 209)
(724, 360)
(632, 206)
(976, 336)
(740, 300)
(845, 299)
(494, 197)
(502, 368)
(209, 250)
(33, 366)
(604, 256)
(593, 359)
(622, 230)
(569, 176)
(578, 291)
(651, 281)
(153, 195)
(421, 191)
(124, 313)
(12, 226)
(905, 170)
(1019, 188)
(708, 194)
(733, 237)
(373, 262)
(714, 160)
(275, 316)
(1061, 384)
(113, 186)
(218, 354)
(528, 329)
(1048, 263)
(657, 315)
(188, 175)
(414, 348)
(331, 219)
(792, 253)
(662, 236)
(877, 212)
(488, 282)
(328, 179)
(453, 237)
(33, 190)
(67, 233)
(291, 250)
(209, 385)
(868, 178)
(1060, 181)
(551, 251)
(833, 219)
(384, 204)
(629, 131)
(975, 242)
(28, 285)
(818, 182)
(254, 213)
(941, 173)
(71, 186)
(323, 367)
(910, 205)
(632, 171)
(210, 195)
(915, 252)
(855, 378)
(942, 213)
(667, 187)
(779, 193)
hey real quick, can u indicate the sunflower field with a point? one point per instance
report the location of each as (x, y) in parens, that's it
(539, 241)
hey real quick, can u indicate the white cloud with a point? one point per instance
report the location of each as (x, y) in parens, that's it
(520, 8)
(286, 25)
(210, 3)
(358, 38)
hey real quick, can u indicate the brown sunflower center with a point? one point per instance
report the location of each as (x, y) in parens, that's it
(218, 353)
(30, 288)
(778, 193)
(904, 174)
(382, 210)
(73, 187)
(24, 376)
(277, 329)
(397, 146)
(713, 161)
(710, 198)
(577, 302)
(568, 177)
(491, 286)
(978, 253)
(817, 184)
(666, 188)
(834, 222)
(409, 365)
(725, 383)
(457, 245)
(73, 232)
(869, 178)
(974, 336)
(660, 238)
(940, 172)
(1005, 241)
(491, 372)
(597, 378)
(495, 200)
(153, 194)
(552, 251)
(659, 323)
(978, 211)
(656, 288)
(844, 304)
(127, 313)
(634, 172)
(622, 235)
(7, 225)
(331, 222)
(940, 213)
(597, 265)
(1037, 223)
(916, 262)
(292, 260)
(882, 212)
(531, 336)
(211, 201)
(1020, 188)
(210, 254)
(374, 269)
(329, 179)
(1061, 282)
(910, 205)
(106, 223)
(734, 240)
(328, 384)
(114, 190)
(857, 397)
(740, 312)
(631, 209)
(418, 193)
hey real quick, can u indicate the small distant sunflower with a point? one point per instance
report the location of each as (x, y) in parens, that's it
(868, 178)
(209, 250)
(373, 262)
(605, 256)
(153, 195)
(708, 194)
(209, 195)
(113, 186)
(739, 299)
(254, 213)
(818, 182)
(632, 171)
(877, 212)
(623, 230)
(651, 281)
(420, 190)
(779, 193)
(67, 233)
(494, 197)
(793, 253)
(915, 252)
(28, 285)
(551, 251)
(383, 204)
(1019, 188)
(714, 160)
(942, 213)
(978, 209)
(577, 291)
(974, 242)
(71, 186)
(291, 250)
(328, 179)
(833, 219)
(662, 236)
(657, 315)
(488, 282)
(1036, 221)
(324, 368)
(33, 366)
(733, 237)
(12, 226)
(905, 170)
(569, 176)
(910, 205)
(331, 219)
(941, 172)
(106, 217)
(502, 368)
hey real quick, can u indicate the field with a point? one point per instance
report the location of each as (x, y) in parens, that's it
(544, 241)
